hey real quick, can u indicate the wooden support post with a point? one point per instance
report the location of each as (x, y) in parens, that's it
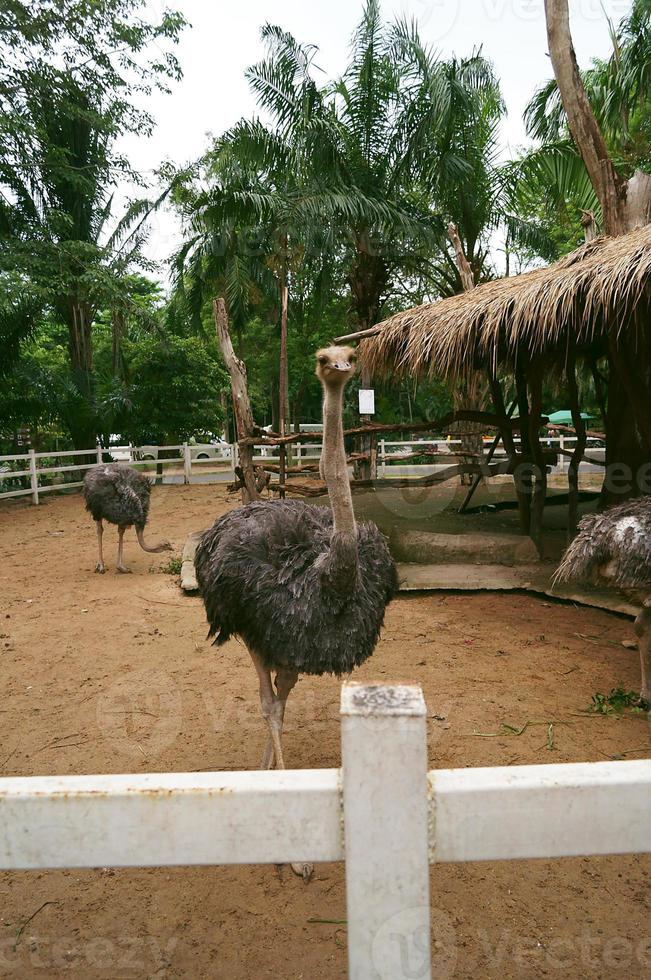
(540, 469)
(187, 463)
(33, 476)
(241, 404)
(505, 435)
(282, 471)
(522, 475)
(284, 380)
(384, 743)
(579, 446)
(99, 455)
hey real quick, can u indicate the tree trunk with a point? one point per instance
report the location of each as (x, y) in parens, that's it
(241, 403)
(625, 205)
(118, 324)
(608, 185)
(78, 318)
(471, 392)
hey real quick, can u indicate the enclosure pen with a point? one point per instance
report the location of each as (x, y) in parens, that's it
(382, 814)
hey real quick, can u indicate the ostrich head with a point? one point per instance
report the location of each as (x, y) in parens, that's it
(335, 365)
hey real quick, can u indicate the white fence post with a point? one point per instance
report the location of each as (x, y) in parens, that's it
(384, 758)
(562, 447)
(187, 463)
(33, 476)
(99, 455)
(383, 453)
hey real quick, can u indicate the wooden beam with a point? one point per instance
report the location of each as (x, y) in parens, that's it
(488, 419)
(359, 335)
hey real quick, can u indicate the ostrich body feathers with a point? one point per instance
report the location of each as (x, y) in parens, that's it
(614, 546)
(117, 494)
(268, 572)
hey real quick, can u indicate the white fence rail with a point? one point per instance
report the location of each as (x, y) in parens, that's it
(186, 457)
(382, 813)
(190, 459)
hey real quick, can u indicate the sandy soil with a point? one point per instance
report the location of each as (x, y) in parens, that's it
(112, 673)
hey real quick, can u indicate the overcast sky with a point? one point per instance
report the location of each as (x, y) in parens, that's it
(224, 39)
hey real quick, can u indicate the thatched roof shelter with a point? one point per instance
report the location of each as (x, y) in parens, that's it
(599, 289)
(593, 304)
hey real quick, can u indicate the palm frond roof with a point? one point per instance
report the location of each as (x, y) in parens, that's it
(596, 292)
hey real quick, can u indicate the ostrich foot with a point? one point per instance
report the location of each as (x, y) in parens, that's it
(123, 569)
(99, 568)
(304, 871)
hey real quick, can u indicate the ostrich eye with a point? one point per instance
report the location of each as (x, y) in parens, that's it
(323, 359)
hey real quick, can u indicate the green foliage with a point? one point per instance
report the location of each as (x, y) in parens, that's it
(614, 703)
(172, 567)
(174, 391)
(69, 73)
(340, 190)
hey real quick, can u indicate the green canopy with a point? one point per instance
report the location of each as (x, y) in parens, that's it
(565, 417)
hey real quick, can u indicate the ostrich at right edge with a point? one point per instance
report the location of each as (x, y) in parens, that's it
(304, 587)
(614, 548)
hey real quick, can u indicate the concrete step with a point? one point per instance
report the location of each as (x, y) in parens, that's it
(430, 547)
(466, 577)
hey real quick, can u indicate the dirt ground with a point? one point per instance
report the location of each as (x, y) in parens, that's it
(113, 674)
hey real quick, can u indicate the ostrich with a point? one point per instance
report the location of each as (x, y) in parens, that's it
(305, 588)
(119, 495)
(615, 547)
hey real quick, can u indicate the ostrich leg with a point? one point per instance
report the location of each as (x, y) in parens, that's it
(643, 630)
(99, 567)
(285, 681)
(121, 567)
(273, 712)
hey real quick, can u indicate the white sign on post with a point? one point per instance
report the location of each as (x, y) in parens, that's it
(366, 401)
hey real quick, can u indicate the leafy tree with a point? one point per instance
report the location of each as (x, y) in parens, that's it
(70, 73)
(175, 389)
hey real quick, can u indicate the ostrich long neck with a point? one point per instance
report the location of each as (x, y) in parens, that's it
(339, 569)
(333, 461)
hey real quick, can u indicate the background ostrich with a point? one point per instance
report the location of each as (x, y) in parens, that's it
(615, 548)
(120, 495)
(305, 588)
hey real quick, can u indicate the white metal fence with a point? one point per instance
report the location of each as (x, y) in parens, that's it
(32, 474)
(382, 814)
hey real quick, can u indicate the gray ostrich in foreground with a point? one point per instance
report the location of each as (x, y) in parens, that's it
(305, 588)
(615, 548)
(119, 495)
